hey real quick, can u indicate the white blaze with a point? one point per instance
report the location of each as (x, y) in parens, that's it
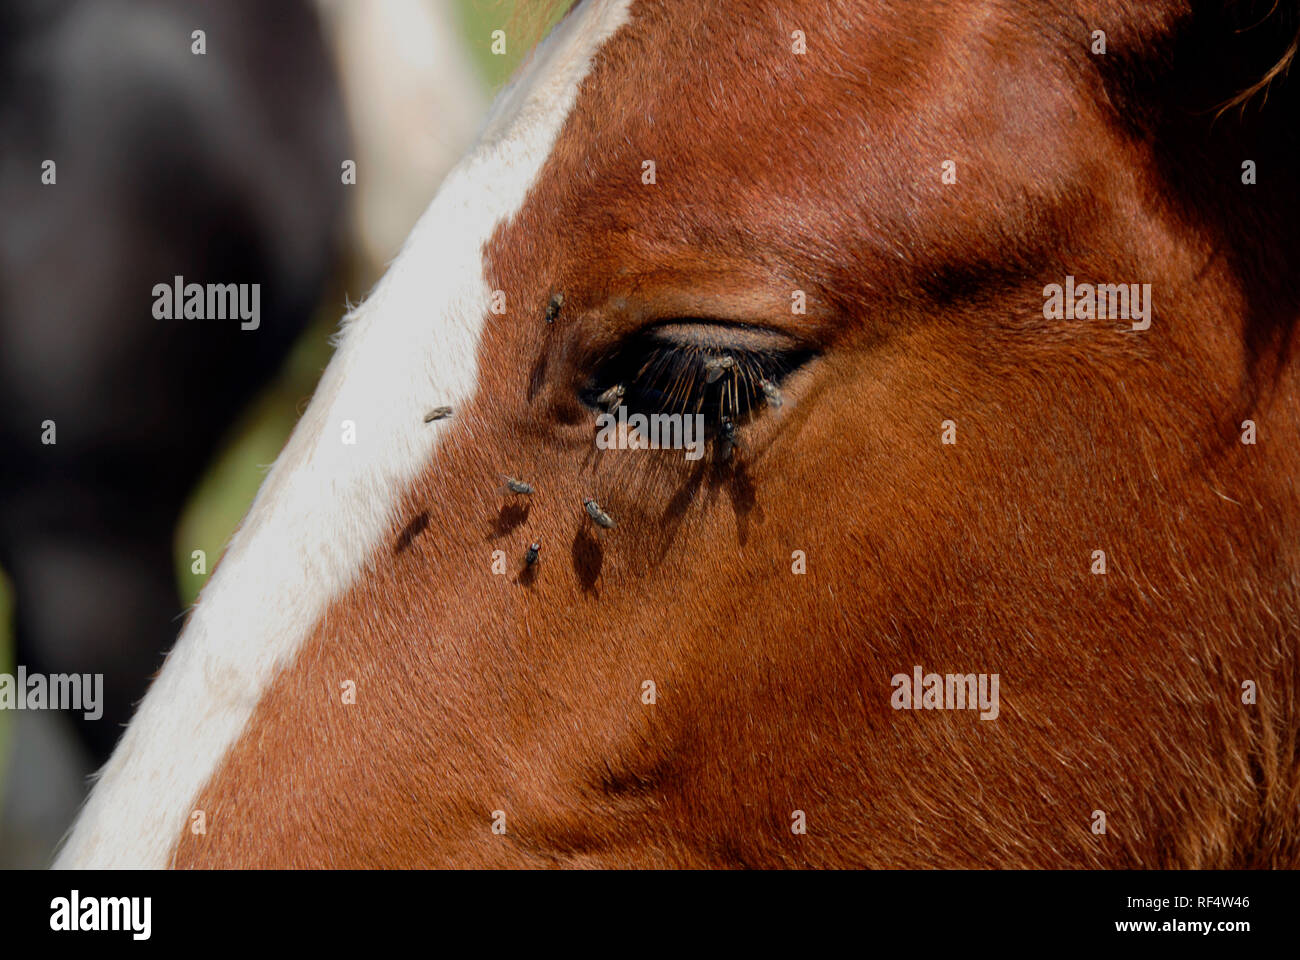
(326, 505)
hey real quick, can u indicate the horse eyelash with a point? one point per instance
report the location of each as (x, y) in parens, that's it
(661, 377)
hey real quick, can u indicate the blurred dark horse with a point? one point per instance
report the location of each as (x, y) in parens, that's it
(221, 168)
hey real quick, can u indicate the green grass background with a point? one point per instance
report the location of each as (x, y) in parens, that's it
(227, 489)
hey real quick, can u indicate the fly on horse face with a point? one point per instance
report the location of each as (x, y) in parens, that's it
(963, 580)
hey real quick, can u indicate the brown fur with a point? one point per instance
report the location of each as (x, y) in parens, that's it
(1119, 693)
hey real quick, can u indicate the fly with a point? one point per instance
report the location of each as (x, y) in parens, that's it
(726, 438)
(713, 369)
(598, 516)
(612, 397)
(772, 393)
(553, 307)
(517, 486)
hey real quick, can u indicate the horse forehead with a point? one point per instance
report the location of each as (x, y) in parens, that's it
(328, 503)
(748, 159)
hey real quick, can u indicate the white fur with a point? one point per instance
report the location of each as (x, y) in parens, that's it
(326, 506)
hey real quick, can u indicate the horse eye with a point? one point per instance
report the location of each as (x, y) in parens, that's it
(723, 371)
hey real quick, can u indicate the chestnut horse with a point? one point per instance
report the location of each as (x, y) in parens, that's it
(841, 232)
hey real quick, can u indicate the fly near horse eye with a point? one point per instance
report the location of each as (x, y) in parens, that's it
(437, 413)
(713, 369)
(553, 307)
(533, 552)
(598, 516)
(771, 392)
(612, 397)
(726, 438)
(517, 486)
